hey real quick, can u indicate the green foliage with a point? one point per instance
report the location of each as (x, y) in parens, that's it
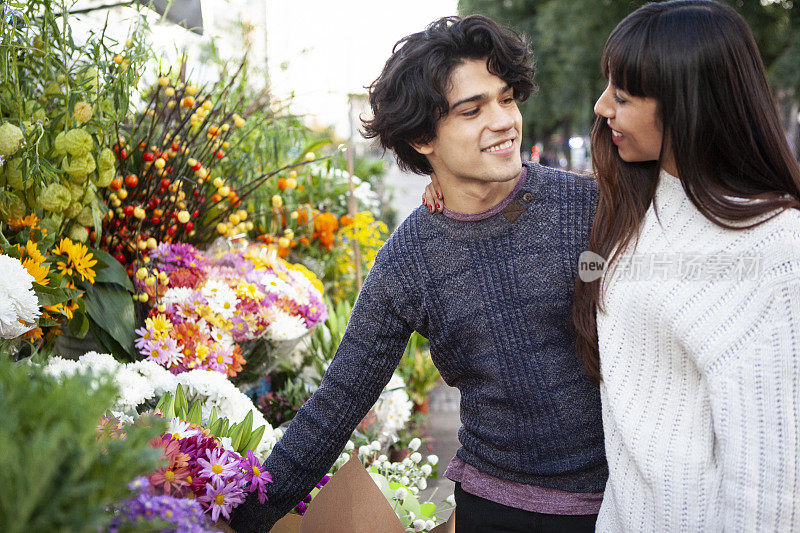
(109, 308)
(243, 436)
(57, 473)
(326, 338)
(417, 369)
(66, 95)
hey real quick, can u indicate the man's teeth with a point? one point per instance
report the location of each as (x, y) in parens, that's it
(501, 146)
(615, 133)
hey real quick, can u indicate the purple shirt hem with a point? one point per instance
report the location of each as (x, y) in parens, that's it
(521, 496)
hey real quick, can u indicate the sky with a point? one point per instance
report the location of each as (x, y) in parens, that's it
(324, 49)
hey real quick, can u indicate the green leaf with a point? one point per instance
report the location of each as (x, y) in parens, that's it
(195, 415)
(52, 295)
(427, 509)
(213, 417)
(236, 436)
(255, 438)
(180, 400)
(79, 325)
(162, 403)
(110, 307)
(247, 425)
(111, 271)
(169, 410)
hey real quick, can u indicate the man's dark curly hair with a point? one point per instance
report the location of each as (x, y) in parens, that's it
(409, 97)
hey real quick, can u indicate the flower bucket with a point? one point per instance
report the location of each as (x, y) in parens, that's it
(70, 347)
(263, 356)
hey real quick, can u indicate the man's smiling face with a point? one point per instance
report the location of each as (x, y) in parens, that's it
(479, 138)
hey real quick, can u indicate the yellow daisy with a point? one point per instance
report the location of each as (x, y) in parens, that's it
(79, 259)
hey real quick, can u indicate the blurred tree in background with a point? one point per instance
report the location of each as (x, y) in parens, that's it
(567, 40)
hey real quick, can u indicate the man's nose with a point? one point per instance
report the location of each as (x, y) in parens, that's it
(502, 118)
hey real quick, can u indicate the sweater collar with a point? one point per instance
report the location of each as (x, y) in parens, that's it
(474, 217)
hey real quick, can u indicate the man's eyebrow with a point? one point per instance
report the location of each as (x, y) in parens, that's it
(478, 97)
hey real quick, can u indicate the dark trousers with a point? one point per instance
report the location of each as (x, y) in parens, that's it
(477, 515)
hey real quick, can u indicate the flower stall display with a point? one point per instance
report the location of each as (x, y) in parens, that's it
(56, 273)
(19, 307)
(141, 384)
(59, 104)
(208, 306)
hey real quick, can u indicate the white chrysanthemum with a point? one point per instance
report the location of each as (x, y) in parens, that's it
(159, 377)
(134, 389)
(176, 295)
(221, 299)
(274, 285)
(58, 366)
(99, 362)
(286, 327)
(19, 307)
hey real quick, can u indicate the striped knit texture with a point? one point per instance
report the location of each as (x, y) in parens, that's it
(494, 300)
(701, 377)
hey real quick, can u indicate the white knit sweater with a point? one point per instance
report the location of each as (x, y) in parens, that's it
(701, 374)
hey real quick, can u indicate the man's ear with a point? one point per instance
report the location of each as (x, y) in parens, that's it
(422, 148)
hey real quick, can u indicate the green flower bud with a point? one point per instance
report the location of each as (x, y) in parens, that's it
(106, 159)
(73, 210)
(13, 174)
(80, 179)
(79, 165)
(78, 233)
(10, 139)
(82, 112)
(104, 177)
(85, 217)
(75, 191)
(55, 197)
(78, 142)
(59, 144)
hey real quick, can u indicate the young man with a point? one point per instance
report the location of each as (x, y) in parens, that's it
(489, 282)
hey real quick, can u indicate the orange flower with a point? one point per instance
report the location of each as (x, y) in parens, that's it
(305, 241)
(346, 220)
(281, 183)
(30, 221)
(326, 222)
(327, 238)
(302, 216)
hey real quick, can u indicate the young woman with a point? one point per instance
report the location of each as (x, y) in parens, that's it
(694, 330)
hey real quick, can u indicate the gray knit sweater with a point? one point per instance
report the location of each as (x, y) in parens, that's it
(493, 297)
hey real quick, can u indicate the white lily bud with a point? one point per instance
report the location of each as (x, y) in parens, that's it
(416, 457)
(426, 469)
(414, 444)
(433, 459)
(418, 524)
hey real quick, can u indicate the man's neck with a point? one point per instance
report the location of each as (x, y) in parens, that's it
(474, 196)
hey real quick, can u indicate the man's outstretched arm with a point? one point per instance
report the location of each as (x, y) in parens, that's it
(374, 341)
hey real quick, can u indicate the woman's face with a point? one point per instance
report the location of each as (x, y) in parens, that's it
(635, 126)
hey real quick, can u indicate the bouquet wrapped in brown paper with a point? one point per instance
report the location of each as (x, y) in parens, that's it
(351, 502)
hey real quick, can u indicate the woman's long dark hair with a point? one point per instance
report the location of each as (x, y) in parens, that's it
(699, 61)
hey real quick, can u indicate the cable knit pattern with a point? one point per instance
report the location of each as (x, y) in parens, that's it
(494, 299)
(700, 356)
